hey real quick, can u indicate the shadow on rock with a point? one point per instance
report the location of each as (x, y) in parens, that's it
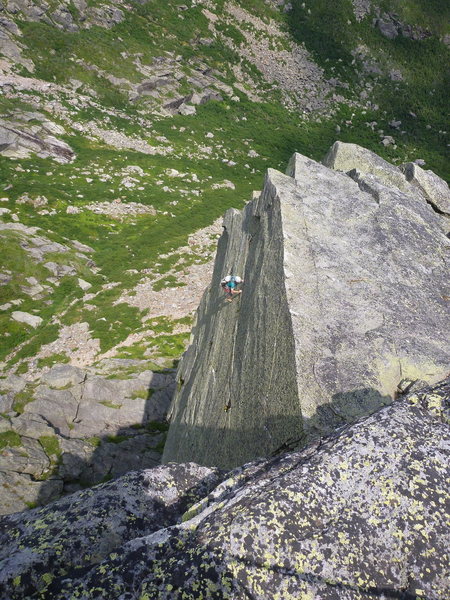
(343, 410)
(79, 463)
(34, 544)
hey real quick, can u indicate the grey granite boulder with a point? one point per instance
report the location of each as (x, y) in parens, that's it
(346, 292)
(434, 188)
(27, 318)
(361, 515)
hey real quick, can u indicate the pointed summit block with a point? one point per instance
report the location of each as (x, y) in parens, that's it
(345, 295)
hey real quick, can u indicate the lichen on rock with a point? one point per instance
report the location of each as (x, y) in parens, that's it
(359, 515)
(75, 533)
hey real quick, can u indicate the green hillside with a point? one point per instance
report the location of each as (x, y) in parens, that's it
(128, 141)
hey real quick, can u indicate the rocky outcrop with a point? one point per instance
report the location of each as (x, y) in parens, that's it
(18, 138)
(345, 294)
(59, 538)
(68, 16)
(390, 27)
(360, 515)
(433, 187)
(74, 428)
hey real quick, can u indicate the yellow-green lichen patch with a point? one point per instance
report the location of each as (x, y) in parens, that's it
(353, 512)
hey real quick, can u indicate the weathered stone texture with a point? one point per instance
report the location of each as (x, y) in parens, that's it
(96, 427)
(361, 515)
(433, 187)
(81, 530)
(346, 293)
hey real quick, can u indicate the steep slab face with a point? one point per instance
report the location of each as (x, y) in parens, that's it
(345, 295)
(237, 386)
(362, 515)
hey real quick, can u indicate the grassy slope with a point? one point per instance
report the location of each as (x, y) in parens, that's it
(326, 32)
(270, 129)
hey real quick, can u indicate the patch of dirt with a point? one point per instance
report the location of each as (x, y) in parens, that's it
(178, 302)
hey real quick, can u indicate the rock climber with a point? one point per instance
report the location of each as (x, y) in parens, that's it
(229, 285)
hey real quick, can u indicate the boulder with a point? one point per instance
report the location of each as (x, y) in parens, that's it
(388, 29)
(107, 417)
(388, 140)
(58, 407)
(433, 187)
(64, 18)
(187, 110)
(60, 376)
(89, 463)
(84, 285)
(360, 515)
(154, 83)
(13, 383)
(31, 425)
(19, 141)
(20, 491)
(7, 138)
(6, 402)
(28, 458)
(24, 317)
(345, 294)
(110, 459)
(75, 456)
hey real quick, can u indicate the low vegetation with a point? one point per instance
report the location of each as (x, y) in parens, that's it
(9, 438)
(352, 52)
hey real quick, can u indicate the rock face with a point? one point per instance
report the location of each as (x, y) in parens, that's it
(345, 294)
(361, 515)
(19, 140)
(433, 187)
(75, 429)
